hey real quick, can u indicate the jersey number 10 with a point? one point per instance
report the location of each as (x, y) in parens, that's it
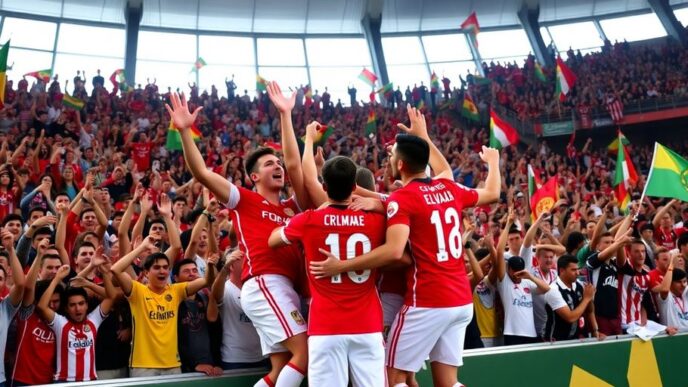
(451, 219)
(332, 242)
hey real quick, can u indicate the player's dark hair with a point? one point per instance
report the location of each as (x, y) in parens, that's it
(365, 178)
(42, 231)
(12, 217)
(72, 292)
(252, 158)
(575, 239)
(413, 151)
(565, 260)
(85, 211)
(155, 257)
(339, 177)
(678, 275)
(37, 208)
(82, 245)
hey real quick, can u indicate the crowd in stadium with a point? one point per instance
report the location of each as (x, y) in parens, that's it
(123, 258)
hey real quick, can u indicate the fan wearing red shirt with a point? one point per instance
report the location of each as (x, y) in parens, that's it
(345, 318)
(141, 152)
(268, 297)
(438, 304)
(666, 234)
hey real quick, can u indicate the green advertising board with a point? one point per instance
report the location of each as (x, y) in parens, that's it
(613, 362)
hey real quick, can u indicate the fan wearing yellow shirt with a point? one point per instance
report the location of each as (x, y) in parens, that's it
(154, 310)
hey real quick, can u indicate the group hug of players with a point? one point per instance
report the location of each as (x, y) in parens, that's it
(408, 240)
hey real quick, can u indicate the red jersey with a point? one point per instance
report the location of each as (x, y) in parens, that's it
(35, 349)
(7, 203)
(254, 218)
(393, 281)
(141, 153)
(632, 287)
(432, 210)
(347, 303)
(668, 238)
(76, 350)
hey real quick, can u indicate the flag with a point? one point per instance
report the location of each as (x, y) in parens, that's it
(434, 83)
(534, 182)
(481, 81)
(420, 104)
(72, 102)
(198, 65)
(371, 124)
(613, 147)
(368, 77)
(274, 145)
(386, 90)
(3, 71)
(539, 74)
(119, 80)
(668, 177)
(615, 109)
(471, 26)
(501, 133)
(469, 110)
(261, 83)
(174, 138)
(565, 79)
(625, 176)
(43, 75)
(308, 95)
(543, 199)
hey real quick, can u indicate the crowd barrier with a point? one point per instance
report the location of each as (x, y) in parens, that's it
(620, 361)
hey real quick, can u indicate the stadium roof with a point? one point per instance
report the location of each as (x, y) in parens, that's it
(319, 16)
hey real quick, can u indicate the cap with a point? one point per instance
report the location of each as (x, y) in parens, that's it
(519, 195)
(516, 263)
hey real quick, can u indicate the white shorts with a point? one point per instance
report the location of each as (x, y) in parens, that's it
(419, 333)
(332, 358)
(273, 306)
(391, 305)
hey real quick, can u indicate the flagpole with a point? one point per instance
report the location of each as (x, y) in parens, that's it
(649, 175)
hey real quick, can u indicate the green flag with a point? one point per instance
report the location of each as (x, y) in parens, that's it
(668, 177)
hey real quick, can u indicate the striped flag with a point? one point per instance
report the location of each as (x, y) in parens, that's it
(565, 79)
(613, 147)
(43, 75)
(469, 110)
(667, 177)
(174, 138)
(534, 182)
(4, 51)
(386, 90)
(368, 77)
(371, 124)
(434, 83)
(615, 109)
(200, 63)
(119, 80)
(539, 74)
(625, 176)
(261, 83)
(501, 133)
(471, 26)
(72, 102)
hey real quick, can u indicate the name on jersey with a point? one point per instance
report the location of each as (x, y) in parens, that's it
(436, 194)
(43, 336)
(77, 344)
(344, 220)
(160, 314)
(611, 281)
(523, 302)
(274, 217)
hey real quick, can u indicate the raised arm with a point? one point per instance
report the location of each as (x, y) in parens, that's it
(165, 210)
(43, 307)
(493, 182)
(32, 275)
(201, 223)
(183, 120)
(290, 149)
(315, 190)
(501, 245)
(119, 268)
(199, 283)
(61, 236)
(532, 231)
(17, 291)
(656, 221)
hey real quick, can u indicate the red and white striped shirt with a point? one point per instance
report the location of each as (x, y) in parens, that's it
(632, 286)
(76, 347)
(615, 109)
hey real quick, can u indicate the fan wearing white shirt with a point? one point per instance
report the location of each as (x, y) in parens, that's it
(673, 300)
(516, 287)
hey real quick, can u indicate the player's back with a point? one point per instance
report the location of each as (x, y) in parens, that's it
(347, 303)
(432, 210)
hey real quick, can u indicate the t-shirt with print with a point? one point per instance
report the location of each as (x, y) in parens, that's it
(517, 300)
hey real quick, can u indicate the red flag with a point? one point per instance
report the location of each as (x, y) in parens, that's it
(615, 109)
(471, 24)
(544, 198)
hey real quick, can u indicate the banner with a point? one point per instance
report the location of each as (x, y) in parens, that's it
(557, 128)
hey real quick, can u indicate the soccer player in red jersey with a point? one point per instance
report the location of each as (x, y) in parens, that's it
(268, 297)
(438, 305)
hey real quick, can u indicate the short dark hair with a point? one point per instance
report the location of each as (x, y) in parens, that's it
(151, 259)
(574, 240)
(179, 198)
(157, 221)
(565, 260)
(514, 230)
(74, 292)
(678, 275)
(37, 208)
(62, 193)
(637, 241)
(682, 240)
(42, 286)
(413, 151)
(339, 177)
(50, 256)
(648, 226)
(252, 158)
(365, 178)
(12, 217)
(481, 253)
(82, 245)
(178, 265)
(84, 211)
(606, 234)
(43, 231)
